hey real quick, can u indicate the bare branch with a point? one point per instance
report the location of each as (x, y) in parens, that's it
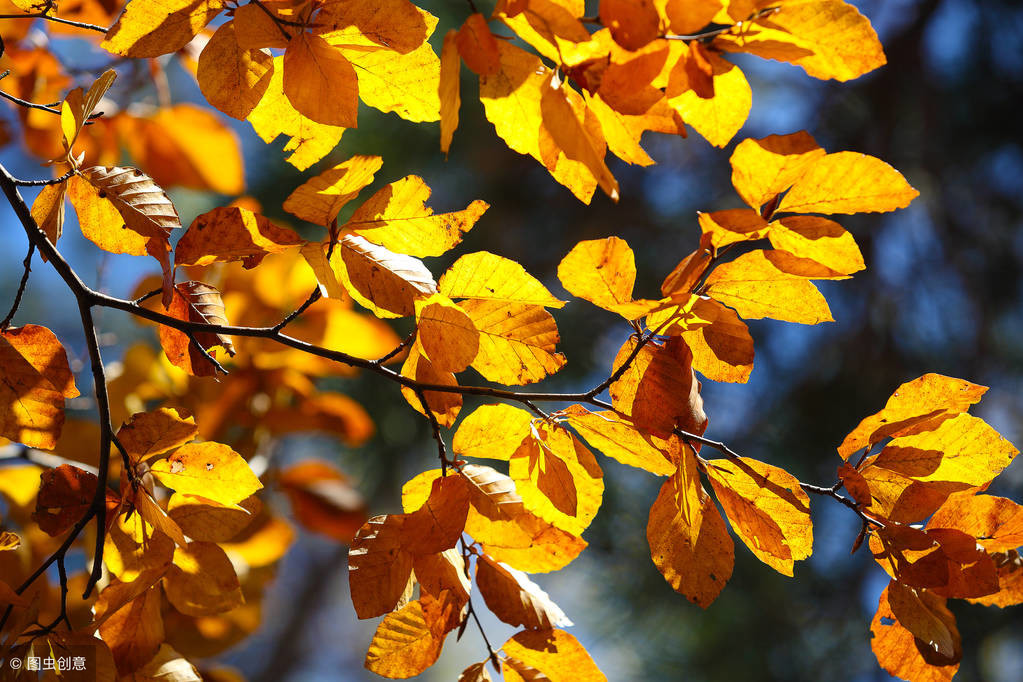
(21, 287)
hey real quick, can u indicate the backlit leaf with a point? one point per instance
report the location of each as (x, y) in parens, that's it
(231, 233)
(757, 288)
(311, 68)
(404, 645)
(201, 581)
(619, 439)
(446, 333)
(232, 78)
(319, 199)
(378, 566)
(492, 432)
(902, 654)
(555, 653)
(602, 271)
(847, 182)
(150, 28)
(210, 470)
(764, 168)
(387, 283)
(147, 434)
(516, 599)
(195, 302)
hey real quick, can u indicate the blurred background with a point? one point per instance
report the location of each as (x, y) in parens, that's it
(941, 293)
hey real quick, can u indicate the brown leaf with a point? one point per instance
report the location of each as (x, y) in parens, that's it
(195, 302)
(516, 599)
(378, 566)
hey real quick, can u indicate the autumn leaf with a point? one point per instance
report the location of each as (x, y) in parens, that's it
(996, 522)
(477, 46)
(150, 28)
(378, 566)
(602, 271)
(720, 111)
(201, 580)
(397, 218)
(437, 525)
(517, 341)
(65, 495)
(488, 277)
(48, 210)
(200, 303)
(207, 521)
(404, 644)
(755, 287)
(397, 25)
(555, 653)
(147, 434)
(319, 199)
(902, 654)
(232, 233)
(313, 67)
(847, 182)
(210, 470)
(720, 342)
(516, 599)
(444, 405)
(386, 283)
(449, 87)
(915, 406)
(35, 379)
(133, 632)
(324, 500)
(764, 168)
(492, 432)
(619, 439)
(689, 542)
(446, 334)
(233, 78)
(767, 509)
(406, 84)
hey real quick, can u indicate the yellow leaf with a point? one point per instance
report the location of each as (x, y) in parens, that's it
(449, 89)
(443, 571)
(847, 182)
(147, 434)
(719, 116)
(319, 199)
(558, 478)
(262, 544)
(764, 168)
(274, 115)
(757, 288)
(688, 540)
(511, 101)
(516, 599)
(556, 654)
(202, 581)
(915, 406)
(818, 239)
(896, 648)
(156, 517)
(517, 341)
(446, 333)
(963, 449)
(551, 27)
(508, 532)
(576, 131)
(492, 432)
(720, 342)
(150, 28)
(687, 16)
(378, 566)
(232, 78)
(767, 509)
(445, 406)
(487, 277)
(316, 257)
(602, 271)
(407, 84)
(623, 132)
(397, 218)
(207, 521)
(34, 381)
(386, 283)
(312, 67)
(619, 439)
(100, 221)
(404, 644)
(208, 470)
(48, 210)
(828, 38)
(732, 226)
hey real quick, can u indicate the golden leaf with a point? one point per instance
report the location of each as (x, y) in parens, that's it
(449, 89)
(404, 644)
(619, 439)
(201, 581)
(233, 78)
(516, 599)
(378, 566)
(231, 233)
(757, 288)
(147, 434)
(446, 334)
(492, 432)
(764, 168)
(847, 182)
(319, 199)
(210, 470)
(556, 654)
(150, 28)
(313, 67)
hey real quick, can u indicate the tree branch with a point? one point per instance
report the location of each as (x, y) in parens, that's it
(50, 17)
(21, 287)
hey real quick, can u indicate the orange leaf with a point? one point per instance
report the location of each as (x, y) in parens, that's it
(201, 581)
(404, 644)
(764, 168)
(449, 89)
(64, 498)
(996, 522)
(147, 434)
(195, 302)
(133, 632)
(688, 540)
(312, 67)
(231, 233)
(602, 271)
(555, 653)
(150, 28)
(319, 199)
(915, 406)
(732, 226)
(658, 390)
(902, 654)
(619, 439)
(720, 342)
(437, 525)
(446, 333)
(445, 406)
(34, 381)
(718, 113)
(324, 500)
(516, 599)
(767, 509)
(477, 46)
(385, 282)
(208, 521)
(378, 566)
(633, 23)
(232, 78)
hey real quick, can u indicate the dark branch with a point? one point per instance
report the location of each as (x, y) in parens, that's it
(50, 17)
(21, 287)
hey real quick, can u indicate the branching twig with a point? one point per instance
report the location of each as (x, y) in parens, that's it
(21, 287)
(41, 183)
(405, 343)
(59, 20)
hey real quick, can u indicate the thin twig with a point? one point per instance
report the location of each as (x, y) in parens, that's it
(442, 450)
(21, 287)
(405, 343)
(41, 183)
(59, 20)
(313, 298)
(217, 367)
